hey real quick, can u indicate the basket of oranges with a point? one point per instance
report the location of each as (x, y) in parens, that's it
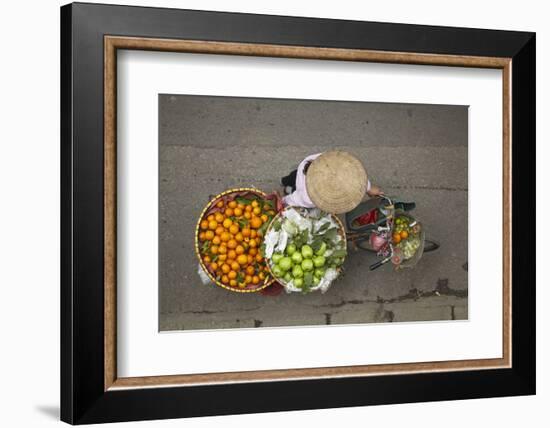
(229, 236)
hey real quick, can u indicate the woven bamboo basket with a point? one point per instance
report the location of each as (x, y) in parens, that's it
(341, 231)
(250, 288)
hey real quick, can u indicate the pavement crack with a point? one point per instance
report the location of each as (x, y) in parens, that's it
(444, 289)
(383, 315)
(341, 303)
(202, 312)
(209, 312)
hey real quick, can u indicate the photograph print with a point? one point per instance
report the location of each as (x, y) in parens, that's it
(290, 212)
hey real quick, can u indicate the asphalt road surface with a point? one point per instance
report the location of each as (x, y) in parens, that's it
(416, 152)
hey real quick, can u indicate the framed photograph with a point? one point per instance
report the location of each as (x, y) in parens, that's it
(267, 213)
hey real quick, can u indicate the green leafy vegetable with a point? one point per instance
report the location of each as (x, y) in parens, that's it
(205, 246)
(240, 277)
(323, 228)
(317, 244)
(243, 222)
(330, 235)
(244, 201)
(308, 282)
(339, 253)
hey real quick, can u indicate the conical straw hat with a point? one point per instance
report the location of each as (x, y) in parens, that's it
(336, 182)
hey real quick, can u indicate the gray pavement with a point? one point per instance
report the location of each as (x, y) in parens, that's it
(417, 152)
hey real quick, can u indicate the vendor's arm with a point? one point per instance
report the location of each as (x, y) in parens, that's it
(372, 191)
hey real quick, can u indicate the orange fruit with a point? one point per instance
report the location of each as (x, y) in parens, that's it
(253, 251)
(235, 266)
(206, 259)
(259, 258)
(257, 210)
(242, 259)
(232, 254)
(226, 268)
(219, 230)
(219, 204)
(239, 237)
(255, 279)
(225, 279)
(214, 266)
(201, 236)
(229, 212)
(248, 279)
(255, 204)
(231, 243)
(233, 282)
(396, 238)
(222, 249)
(214, 249)
(261, 275)
(216, 240)
(404, 234)
(225, 236)
(238, 212)
(241, 206)
(250, 270)
(204, 224)
(234, 229)
(248, 208)
(253, 243)
(208, 235)
(255, 222)
(218, 217)
(232, 274)
(212, 225)
(264, 217)
(227, 223)
(249, 258)
(211, 217)
(232, 204)
(247, 215)
(239, 249)
(222, 257)
(246, 232)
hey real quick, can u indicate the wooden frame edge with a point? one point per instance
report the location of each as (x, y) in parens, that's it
(110, 183)
(301, 52)
(112, 43)
(507, 213)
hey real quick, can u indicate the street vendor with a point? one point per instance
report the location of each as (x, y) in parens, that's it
(334, 181)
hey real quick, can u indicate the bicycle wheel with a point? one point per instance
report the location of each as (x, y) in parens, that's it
(430, 245)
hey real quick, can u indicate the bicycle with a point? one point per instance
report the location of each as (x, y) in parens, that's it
(382, 224)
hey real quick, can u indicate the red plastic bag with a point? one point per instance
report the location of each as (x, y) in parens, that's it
(367, 218)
